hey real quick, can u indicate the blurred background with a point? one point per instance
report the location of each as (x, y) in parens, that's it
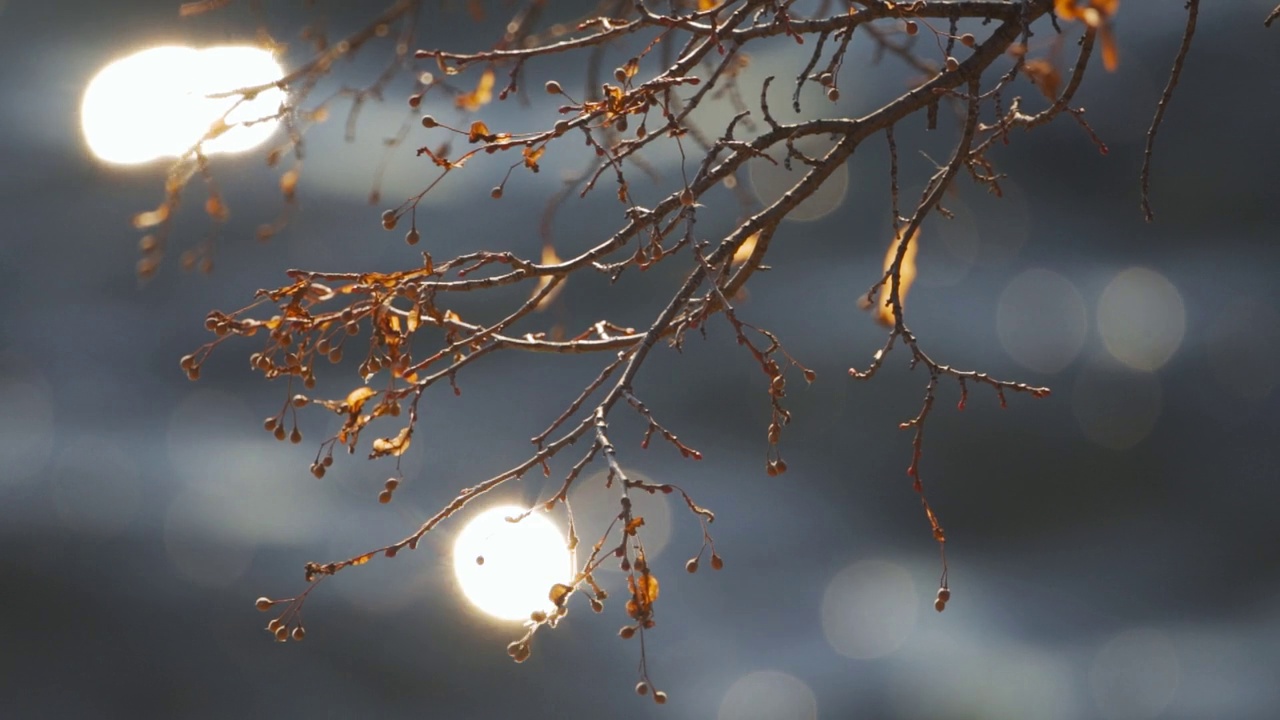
(1110, 546)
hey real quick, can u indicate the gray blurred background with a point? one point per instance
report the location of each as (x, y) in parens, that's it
(1111, 546)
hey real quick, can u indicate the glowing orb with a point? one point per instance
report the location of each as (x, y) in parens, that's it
(156, 103)
(507, 569)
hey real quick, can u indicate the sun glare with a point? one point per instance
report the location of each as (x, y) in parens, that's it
(507, 569)
(156, 103)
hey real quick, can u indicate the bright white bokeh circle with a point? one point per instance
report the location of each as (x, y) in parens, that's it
(156, 103)
(521, 562)
(1141, 318)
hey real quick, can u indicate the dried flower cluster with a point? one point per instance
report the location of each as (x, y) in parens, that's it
(649, 65)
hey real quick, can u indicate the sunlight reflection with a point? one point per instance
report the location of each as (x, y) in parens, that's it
(770, 180)
(1141, 318)
(868, 609)
(1042, 321)
(155, 103)
(769, 695)
(507, 569)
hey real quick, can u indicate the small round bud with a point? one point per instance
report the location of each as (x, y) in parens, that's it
(428, 121)
(295, 437)
(686, 197)
(384, 497)
(968, 40)
(415, 100)
(620, 75)
(281, 633)
(298, 633)
(514, 648)
(627, 632)
(596, 605)
(939, 605)
(642, 688)
(691, 566)
(496, 192)
(944, 594)
(553, 87)
(561, 127)
(952, 64)
(717, 563)
(413, 236)
(479, 559)
(317, 470)
(391, 484)
(912, 28)
(389, 219)
(269, 424)
(781, 466)
(522, 653)
(660, 697)
(263, 603)
(299, 400)
(274, 625)
(279, 433)
(538, 616)
(188, 362)
(833, 94)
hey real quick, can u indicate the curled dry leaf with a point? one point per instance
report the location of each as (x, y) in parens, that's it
(394, 446)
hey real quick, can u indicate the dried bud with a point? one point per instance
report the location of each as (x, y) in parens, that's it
(968, 40)
(389, 219)
(384, 497)
(299, 633)
(413, 236)
(952, 64)
(833, 94)
(627, 632)
(496, 192)
(281, 633)
(691, 566)
(642, 688)
(391, 484)
(939, 605)
(717, 563)
(553, 87)
(660, 697)
(686, 197)
(295, 437)
(263, 603)
(428, 121)
(538, 616)
(912, 28)
(944, 594)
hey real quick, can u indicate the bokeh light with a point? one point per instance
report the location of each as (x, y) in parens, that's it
(595, 505)
(95, 486)
(770, 180)
(1243, 345)
(1134, 675)
(1042, 320)
(768, 695)
(507, 569)
(869, 608)
(1116, 407)
(156, 103)
(1141, 318)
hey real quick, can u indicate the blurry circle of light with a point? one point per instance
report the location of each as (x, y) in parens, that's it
(95, 487)
(1042, 321)
(1243, 345)
(156, 103)
(202, 426)
(771, 180)
(595, 505)
(1116, 407)
(768, 695)
(26, 428)
(521, 562)
(1141, 318)
(1134, 675)
(868, 609)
